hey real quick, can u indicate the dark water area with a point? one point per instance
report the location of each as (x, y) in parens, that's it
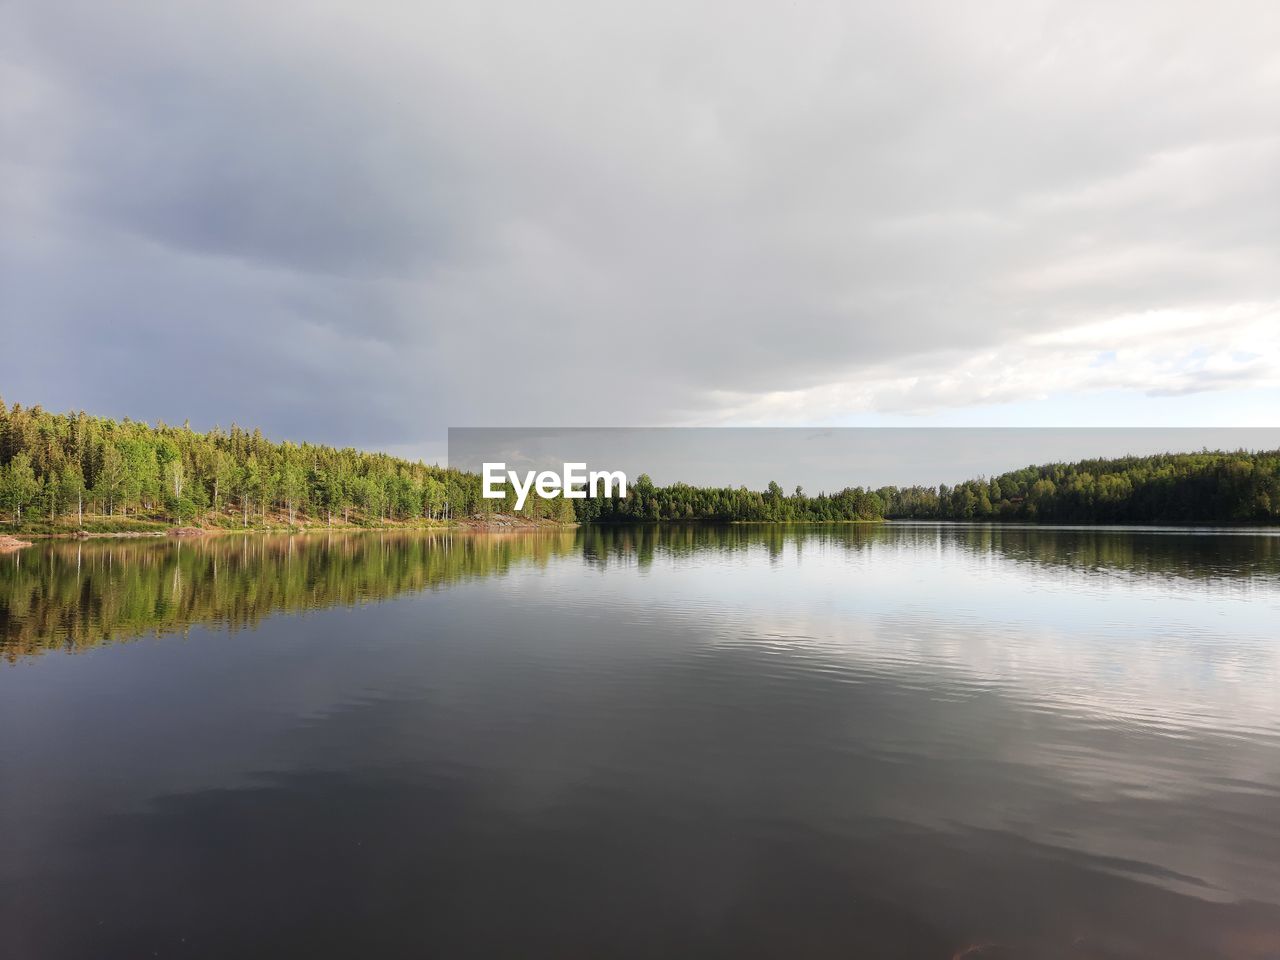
(902, 740)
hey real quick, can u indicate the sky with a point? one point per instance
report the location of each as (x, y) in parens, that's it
(821, 458)
(364, 223)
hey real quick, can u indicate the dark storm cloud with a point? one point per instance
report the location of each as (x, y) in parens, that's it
(361, 223)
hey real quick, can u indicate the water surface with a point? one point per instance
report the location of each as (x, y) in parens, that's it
(860, 741)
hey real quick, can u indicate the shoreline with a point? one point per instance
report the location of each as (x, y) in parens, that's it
(496, 522)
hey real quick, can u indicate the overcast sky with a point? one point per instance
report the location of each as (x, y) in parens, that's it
(362, 223)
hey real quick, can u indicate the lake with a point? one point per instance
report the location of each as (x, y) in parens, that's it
(873, 741)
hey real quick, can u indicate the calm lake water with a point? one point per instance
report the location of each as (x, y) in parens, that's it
(859, 742)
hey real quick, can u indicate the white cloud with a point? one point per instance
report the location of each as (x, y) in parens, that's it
(1164, 352)
(379, 219)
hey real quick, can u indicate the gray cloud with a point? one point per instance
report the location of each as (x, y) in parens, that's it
(361, 223)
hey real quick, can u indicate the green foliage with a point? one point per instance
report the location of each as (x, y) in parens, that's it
(83, 468)
(679, 501)
(18, 485)
(1205, 487)
(59, 465)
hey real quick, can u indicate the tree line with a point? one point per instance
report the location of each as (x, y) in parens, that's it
(77, 466)
(94, 472)
(646, 502)
(98, 472)
(1205, 487)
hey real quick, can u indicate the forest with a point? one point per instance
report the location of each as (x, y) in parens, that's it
(98, 473)
(1205, 487)
(646, 502)
(74, 471)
